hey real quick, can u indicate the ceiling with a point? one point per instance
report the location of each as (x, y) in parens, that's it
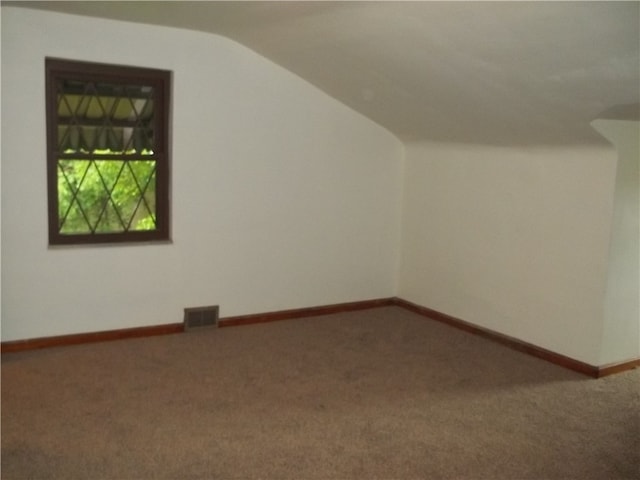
(504, 73)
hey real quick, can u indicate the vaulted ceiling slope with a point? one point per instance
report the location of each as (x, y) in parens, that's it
(505, 73)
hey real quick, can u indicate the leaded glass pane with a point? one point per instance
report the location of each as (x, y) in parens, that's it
(101, 119)
(75, 221)
(110, 220)
(106, 195)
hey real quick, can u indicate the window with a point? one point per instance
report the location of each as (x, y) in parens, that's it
(107, 152)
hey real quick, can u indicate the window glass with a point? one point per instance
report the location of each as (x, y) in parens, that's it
(108, 152)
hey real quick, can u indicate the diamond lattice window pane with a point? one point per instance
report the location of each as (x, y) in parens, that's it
(103, 119)
(75, 221)
(126, 195)
(150, 197)
(122, 110)
(70, 176)
(145, 217)
(92, 195)
(95, 109)
(106, 196)
(110, 220)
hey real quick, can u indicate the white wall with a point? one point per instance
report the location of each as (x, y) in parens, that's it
(621, 327)
(282, 197)
(513, 240)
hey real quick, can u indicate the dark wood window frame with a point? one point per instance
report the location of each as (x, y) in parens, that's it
(122, 78)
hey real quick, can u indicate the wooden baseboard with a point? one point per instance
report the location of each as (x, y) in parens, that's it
(305, 312)
(79, 338)
(109, 335)
(519, 345)
(614, 368)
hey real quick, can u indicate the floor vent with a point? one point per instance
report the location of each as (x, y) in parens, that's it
(200, 317)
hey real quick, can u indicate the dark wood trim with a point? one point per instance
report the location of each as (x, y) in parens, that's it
(505, 340)
(304, 312)
(613, 368)
(79, 338)
(97, 122)
(58, 70)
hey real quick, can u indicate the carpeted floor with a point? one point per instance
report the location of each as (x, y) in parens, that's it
(382, 393)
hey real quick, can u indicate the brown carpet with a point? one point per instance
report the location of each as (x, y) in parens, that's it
(382, 393)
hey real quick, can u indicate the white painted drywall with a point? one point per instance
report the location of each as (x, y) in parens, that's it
(513, 240)
(621, 327)
(281, 196)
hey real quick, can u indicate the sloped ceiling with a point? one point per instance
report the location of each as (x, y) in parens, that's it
(502, 73)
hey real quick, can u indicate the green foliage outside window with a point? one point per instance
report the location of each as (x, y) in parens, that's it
(106, 196)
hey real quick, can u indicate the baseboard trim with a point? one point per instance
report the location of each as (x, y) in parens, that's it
(167, 329)
(304, 312)
(172, 328)
(614, 368)
(519, 345)
(80, 338)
